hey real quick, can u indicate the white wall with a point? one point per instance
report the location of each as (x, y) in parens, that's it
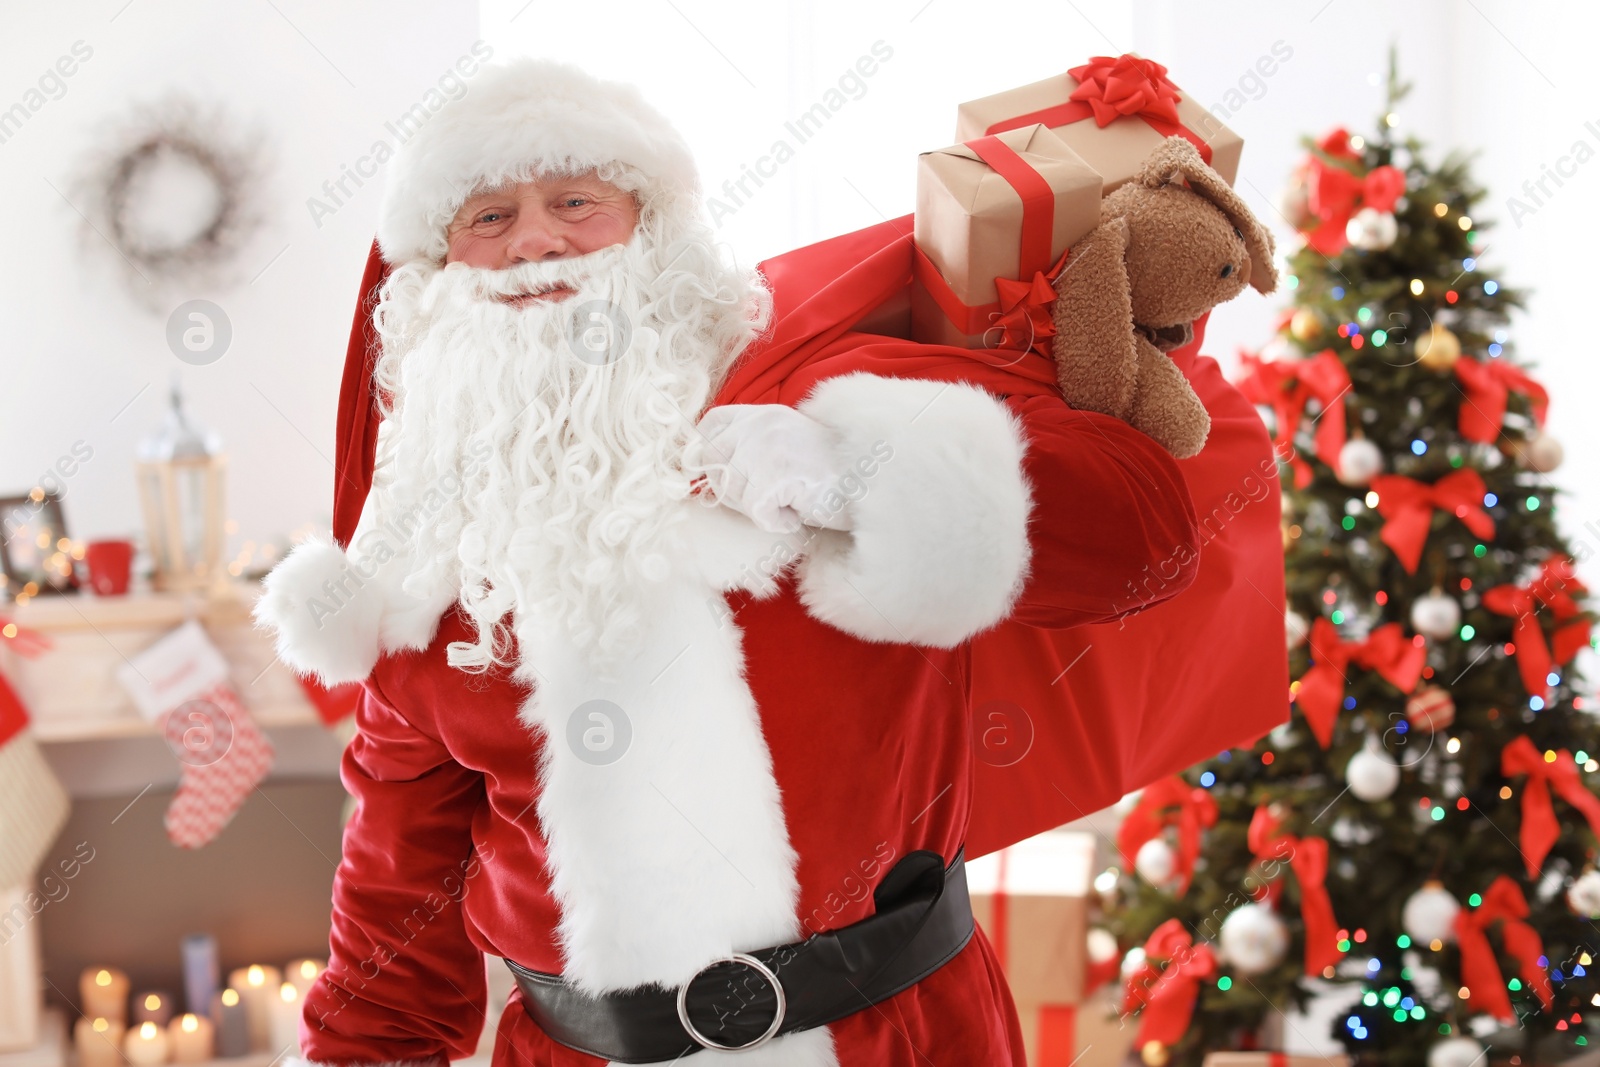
(318, 81)
(729, 74)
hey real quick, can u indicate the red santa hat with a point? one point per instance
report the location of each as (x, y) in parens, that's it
(517, 119)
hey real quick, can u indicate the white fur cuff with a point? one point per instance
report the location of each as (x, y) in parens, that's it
(326, 616)
(939, 548)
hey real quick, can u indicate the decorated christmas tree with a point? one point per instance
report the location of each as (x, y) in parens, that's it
(1418, 840)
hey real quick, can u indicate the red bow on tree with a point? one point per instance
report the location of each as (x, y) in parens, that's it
(1321, 691)
(1169, 802)
(1114, 86)
(1408, 506)
(1486, 385)
(1287, 384)
(1334, 192)
(1308, 858)
(1553, 588)
(1167, 996)
(1545, 772)
(1025, 320)
(1480, 971)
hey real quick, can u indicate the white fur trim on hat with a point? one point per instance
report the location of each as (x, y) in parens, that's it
(517, 118)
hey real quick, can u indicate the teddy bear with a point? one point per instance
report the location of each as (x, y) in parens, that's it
(1172, 243)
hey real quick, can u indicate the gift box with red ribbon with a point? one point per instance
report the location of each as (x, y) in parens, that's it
(1272, 1059)
(1113, 111)
(1032, 901)
(995, 218)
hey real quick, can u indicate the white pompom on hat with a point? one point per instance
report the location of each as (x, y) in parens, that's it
(517, 119)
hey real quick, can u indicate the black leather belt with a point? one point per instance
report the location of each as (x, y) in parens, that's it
(923, 918)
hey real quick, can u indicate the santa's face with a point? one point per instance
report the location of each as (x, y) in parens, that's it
(542, 219)
(531, 449)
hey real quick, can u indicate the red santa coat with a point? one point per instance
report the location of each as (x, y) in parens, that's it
(866, 720)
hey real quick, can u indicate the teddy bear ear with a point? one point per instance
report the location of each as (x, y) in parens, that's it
(1177, 160)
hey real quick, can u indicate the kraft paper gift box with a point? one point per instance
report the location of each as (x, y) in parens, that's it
(1006, 206)
(1273, 1059)
(1148, 105)
(1032, 900)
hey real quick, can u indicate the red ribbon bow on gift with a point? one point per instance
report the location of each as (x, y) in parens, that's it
(1321, 692)
(1287, 384)
(1486, 385)
(1025, 320)
(1167, 996)
(1335, 193)
(1553, 588)
(1308, 858)
(1408, 506)
(1169, 802)
(1540, 830)
(1480, 971)
(1114, 86)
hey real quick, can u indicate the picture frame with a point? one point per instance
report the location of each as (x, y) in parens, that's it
(36, 555)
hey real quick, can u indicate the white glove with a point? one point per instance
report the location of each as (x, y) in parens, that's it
(771, 463)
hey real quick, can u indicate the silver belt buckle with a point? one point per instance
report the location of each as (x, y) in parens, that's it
(761, 969)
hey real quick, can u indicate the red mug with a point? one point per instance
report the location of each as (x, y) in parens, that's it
(110, 565)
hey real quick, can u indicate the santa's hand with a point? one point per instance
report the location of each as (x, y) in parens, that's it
(771, 463)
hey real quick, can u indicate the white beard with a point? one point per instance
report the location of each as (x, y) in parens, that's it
(542, 448)
(548, 493)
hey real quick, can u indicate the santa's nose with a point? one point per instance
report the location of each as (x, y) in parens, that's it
(534, 238)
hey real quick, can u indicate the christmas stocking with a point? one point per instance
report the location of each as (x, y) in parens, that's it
(33, 806)
(181, 683)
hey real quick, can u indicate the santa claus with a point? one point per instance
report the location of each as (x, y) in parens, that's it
(667, 697)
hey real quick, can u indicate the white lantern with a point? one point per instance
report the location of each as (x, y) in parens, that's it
(180, 471)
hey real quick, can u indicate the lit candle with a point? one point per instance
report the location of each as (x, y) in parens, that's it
(303, 973)
(104, 993)
(286, 1020)
(152, 1007)
(145, 1045)
(232, 1024)
(191, 1037)
(258, 988)
(98, 1041)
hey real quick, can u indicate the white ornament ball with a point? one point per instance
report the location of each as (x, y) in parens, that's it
(1455, 1052)
(1128, 802)
(1277, 349)
(1101, 945)
(1583, 896)
(1295, 628)
(1132, 961)
(1359, 461)
(1436, 615)
(1156, 862)
(1371, 230)
(1253, 939)
(1372, 775)
(1429, 914)
(1542, 454)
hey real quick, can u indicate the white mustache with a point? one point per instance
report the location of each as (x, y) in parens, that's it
(574, 272)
